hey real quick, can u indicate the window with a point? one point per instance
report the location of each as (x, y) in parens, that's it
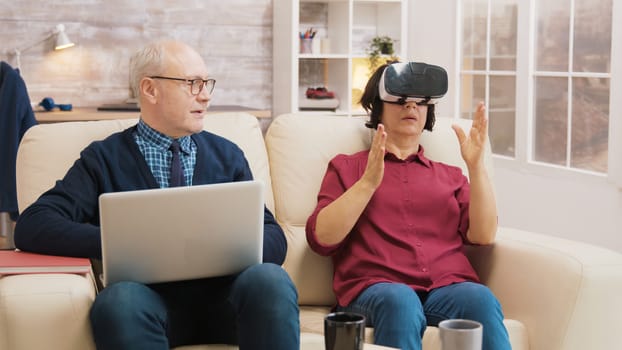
(571, 83)
(568, 65)
(489, 31)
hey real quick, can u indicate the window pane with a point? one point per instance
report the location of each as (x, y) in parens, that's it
(502, 92)
(473, 91)
(592, 36)
(501, 114)
(590, 124)
(503, 35)
(551, 120)
(552, 37)
(474, 34)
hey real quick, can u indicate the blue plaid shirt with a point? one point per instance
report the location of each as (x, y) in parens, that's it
(155, 148)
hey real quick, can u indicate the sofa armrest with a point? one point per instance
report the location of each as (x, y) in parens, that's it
(46, 311)
(565, 292)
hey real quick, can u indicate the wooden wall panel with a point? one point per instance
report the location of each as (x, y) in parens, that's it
(233, 36)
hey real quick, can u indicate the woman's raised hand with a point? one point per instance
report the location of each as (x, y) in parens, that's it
(472, 146)
(374, 171)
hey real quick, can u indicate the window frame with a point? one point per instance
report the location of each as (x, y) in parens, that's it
(525, 79)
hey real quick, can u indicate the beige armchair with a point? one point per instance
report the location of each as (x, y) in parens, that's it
(556, 294)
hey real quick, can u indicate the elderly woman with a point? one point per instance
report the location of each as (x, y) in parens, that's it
(395, 222)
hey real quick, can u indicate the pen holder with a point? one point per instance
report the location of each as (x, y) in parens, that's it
(306, 45)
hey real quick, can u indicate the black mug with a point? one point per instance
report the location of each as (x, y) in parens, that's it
(344, 331)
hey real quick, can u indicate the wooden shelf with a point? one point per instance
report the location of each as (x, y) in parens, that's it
(91, 114)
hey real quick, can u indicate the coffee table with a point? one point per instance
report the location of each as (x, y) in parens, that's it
(313, 341)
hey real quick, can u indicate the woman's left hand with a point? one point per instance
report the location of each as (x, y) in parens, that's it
(472, 146)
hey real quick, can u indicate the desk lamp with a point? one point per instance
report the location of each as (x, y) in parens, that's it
(62, 42)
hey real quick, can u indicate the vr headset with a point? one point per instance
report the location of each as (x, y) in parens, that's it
(412, 82)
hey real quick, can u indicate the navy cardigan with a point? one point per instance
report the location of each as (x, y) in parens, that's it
(65, 219)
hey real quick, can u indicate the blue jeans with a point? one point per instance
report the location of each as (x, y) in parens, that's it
(256, 309)
(400, 315)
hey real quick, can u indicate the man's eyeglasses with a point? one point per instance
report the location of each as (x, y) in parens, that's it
(196, 85)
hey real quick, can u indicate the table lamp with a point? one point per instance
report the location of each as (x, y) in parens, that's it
(62, 42)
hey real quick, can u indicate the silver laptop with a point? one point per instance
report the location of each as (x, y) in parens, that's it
(180, 233)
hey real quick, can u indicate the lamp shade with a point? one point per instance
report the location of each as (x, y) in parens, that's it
(62, 41)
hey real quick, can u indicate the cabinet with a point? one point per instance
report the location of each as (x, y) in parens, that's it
(337, 55)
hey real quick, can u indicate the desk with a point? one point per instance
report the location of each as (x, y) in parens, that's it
(91, 114)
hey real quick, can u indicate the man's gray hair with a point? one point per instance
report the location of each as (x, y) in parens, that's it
(147, 62)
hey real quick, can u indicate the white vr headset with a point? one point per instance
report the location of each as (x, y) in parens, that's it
(412, 82)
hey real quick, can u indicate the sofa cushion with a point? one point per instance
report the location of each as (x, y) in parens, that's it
(300, 147)
(48, 150)
(244, 130)
(565, 292)
(311, 273)
(30, 304)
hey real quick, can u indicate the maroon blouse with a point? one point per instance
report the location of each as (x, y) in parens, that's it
(412, 231)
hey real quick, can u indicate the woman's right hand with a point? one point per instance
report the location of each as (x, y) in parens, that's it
(335, 221)
(374, 171)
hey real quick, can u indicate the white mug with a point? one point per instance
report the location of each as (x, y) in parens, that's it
(459, 334)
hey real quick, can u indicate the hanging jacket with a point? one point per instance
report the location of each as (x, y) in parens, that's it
(16, 116)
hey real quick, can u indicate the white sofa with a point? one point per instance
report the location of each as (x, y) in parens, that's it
(556, 294)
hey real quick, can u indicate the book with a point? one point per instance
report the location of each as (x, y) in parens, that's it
(14, 262)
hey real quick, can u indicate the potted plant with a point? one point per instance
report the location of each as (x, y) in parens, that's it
(379, 46)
